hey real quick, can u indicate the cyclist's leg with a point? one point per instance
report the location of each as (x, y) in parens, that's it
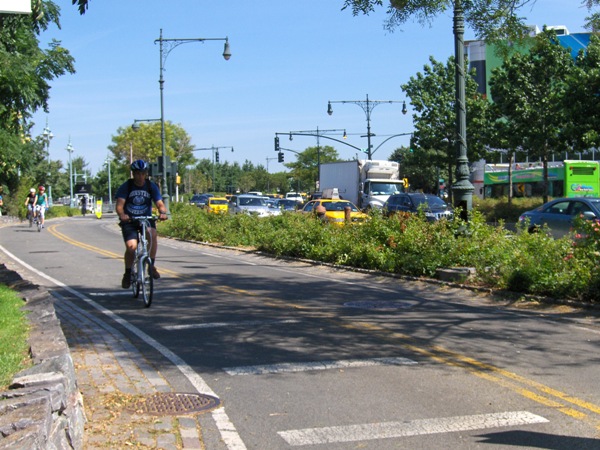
(153, 238)
(129, 233)
(42, 214)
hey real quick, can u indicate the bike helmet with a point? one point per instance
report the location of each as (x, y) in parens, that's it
(139, 165)
(32, 190)
(41, 188)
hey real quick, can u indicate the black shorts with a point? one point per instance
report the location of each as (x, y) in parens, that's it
(129, 230)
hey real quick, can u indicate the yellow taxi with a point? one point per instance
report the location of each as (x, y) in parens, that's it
(333, 210)
(217, 205)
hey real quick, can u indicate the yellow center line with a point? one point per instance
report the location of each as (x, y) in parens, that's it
(553, 398)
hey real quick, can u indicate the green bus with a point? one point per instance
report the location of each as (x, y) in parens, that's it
(570, 178)
(582, 179)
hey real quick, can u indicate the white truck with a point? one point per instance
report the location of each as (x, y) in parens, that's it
(366, 183)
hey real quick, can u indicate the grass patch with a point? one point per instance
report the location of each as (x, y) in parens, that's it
(14, 330)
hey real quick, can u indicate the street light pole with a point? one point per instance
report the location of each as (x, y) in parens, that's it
(166, 45)
(367, 106)
(463, 187)
(108, 161)
(47, 137)
(70, 150)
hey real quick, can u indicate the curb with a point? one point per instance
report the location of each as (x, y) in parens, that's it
(42, 407)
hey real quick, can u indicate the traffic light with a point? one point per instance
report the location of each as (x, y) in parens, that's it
(280, 156)
(277, 146)
(217, 156)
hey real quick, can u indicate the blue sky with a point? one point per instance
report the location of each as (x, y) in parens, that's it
(288, 59)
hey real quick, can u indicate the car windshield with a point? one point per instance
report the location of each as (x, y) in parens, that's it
(338, 206)
(429, 200)
(249, 201)
(385, 188)
(218, 202)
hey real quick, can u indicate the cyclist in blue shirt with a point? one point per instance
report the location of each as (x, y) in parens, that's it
(134, 199)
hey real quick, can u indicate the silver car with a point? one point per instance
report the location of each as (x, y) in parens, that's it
(250, 204)
(559, 214)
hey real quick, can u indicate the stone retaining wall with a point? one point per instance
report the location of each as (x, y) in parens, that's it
(43, 408)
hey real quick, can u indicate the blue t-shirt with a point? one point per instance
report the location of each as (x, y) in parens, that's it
(138, 200)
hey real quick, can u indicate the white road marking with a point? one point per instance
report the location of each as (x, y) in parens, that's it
(243, 323)
(386, 430)
(318, 365)
(128, 292)
(226, 428)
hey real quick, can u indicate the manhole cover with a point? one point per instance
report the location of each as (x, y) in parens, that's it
(378, 305)
(172, 404)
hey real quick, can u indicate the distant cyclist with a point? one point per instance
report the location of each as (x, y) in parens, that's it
(41, 203)
(134, 199)
(30, 203)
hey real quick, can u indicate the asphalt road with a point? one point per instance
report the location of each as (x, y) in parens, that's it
(306, 356)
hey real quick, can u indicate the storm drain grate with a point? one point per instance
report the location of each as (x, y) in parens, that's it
(171, 403)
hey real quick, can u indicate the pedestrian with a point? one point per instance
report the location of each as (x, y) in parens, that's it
(84, 205)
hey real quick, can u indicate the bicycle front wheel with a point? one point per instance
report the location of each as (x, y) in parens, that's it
(148, 284)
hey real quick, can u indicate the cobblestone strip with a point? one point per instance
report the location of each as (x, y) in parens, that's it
(110, 373)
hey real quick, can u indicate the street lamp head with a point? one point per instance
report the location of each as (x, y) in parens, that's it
(329, 109)
(404, 110)
(226, 50)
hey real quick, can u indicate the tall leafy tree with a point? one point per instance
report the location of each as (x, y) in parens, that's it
(433, 145)
(26, 70)
(530, 90)
(583, 96)
(145, 143)
(304, 169)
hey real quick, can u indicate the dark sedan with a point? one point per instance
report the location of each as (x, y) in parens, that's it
(433, 207)
(559, 214)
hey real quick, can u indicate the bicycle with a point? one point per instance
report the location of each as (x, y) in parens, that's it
(37, 219)
(142, 267)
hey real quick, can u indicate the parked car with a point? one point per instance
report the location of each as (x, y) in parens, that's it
(217, 205)
(200, 200)
(432, 206)
(559, 214)
(250, 204)
(335, 210)
(285, 204)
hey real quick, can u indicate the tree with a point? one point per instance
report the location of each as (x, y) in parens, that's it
(491, 20)
(25, 74)
(529, 90)
(433, 143)
(583, 94)
(144, 143)
(305, 170)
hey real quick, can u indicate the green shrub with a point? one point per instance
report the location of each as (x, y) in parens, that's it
(410, 245)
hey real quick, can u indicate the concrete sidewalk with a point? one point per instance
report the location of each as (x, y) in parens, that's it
(112, 375)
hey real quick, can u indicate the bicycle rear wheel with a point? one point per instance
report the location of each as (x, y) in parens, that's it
(135, 283)
(148, 284)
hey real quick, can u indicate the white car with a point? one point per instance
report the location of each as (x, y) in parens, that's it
(251, 204)
(294, 196)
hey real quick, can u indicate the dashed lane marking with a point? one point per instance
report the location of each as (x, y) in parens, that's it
(317, 365)
(386, 430)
